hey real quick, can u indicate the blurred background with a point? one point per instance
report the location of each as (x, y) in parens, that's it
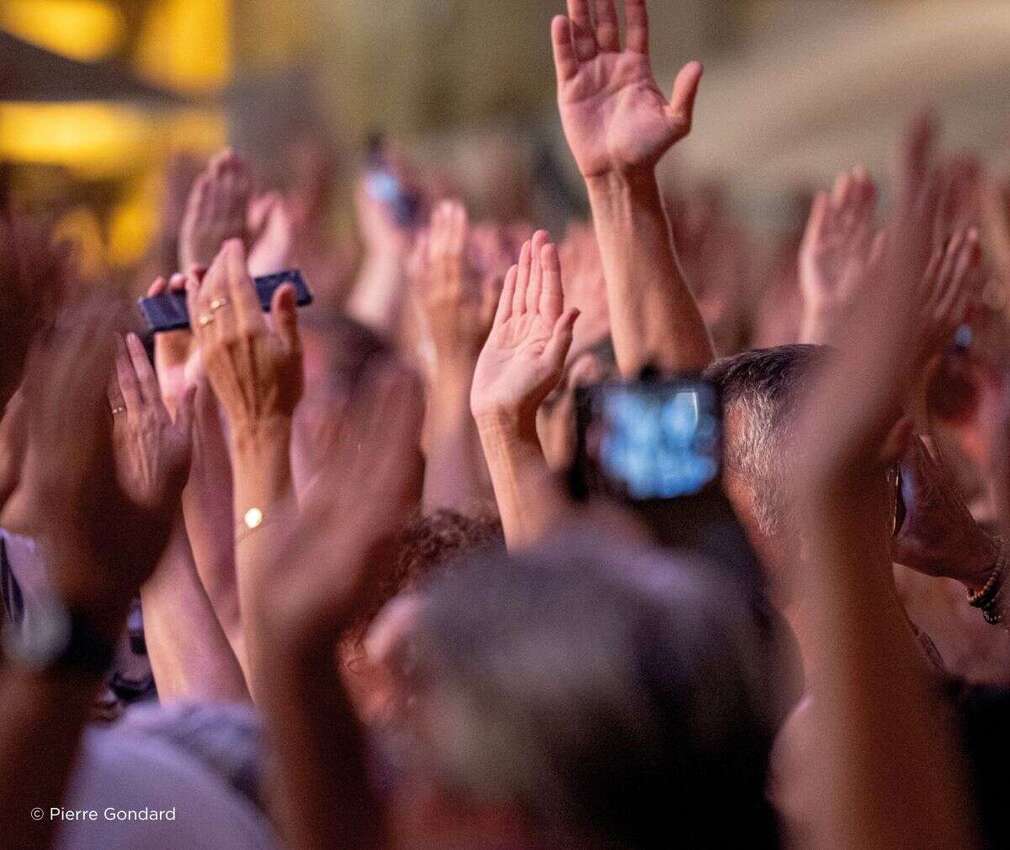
(104, 104)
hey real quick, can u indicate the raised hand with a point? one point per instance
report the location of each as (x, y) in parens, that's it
(950, 286)
(457, 307)
(104, 537)
(254, 368)
(216, 210)
(524, 357)
(939, 536)
(615, 116)
(355, 509)
(153, 451)
(836, 251)
(271, 222)
(176, 358)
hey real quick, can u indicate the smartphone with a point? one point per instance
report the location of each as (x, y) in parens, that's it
(649, 441)
(168, 312)
(383, 184)
(655, 446)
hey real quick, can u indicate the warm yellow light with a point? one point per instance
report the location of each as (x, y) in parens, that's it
(186, 45)
(133, 221)
(94, 137)
(98, 140)
(81, 29)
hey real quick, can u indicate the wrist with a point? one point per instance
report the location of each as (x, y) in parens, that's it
(630, 181)
(261, 434)
(498, 422)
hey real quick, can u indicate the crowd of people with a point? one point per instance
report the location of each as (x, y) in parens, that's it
(316, 576)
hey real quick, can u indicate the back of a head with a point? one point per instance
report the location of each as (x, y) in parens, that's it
(616, 700)
(760, 391)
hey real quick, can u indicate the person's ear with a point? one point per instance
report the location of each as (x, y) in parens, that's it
(897, 441)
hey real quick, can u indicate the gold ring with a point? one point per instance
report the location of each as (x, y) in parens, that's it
(218, 303)
(117, 410)
(205, 319)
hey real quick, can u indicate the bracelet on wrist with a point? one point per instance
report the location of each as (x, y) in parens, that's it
(988, 599)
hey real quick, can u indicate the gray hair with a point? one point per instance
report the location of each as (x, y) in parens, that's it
(760, 392)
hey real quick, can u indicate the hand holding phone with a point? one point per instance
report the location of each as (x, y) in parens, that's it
(168, 312)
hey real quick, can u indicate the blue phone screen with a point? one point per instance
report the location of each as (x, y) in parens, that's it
(661, 444)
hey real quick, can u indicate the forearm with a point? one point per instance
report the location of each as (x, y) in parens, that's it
(529, 501)
(378, 291)
(654, 318)
(263, 487)
(43, 719)
(455, 474)
(209, 516)
(889, 748)
(190, 656)
(321, 788)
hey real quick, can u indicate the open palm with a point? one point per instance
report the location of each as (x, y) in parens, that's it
(614, 114)
(524, 356)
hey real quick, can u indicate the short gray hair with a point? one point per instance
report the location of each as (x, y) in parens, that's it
(760, 393)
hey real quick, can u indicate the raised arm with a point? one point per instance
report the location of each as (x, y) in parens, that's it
(103, 541)
(207, 498)
(346, 536)
(457, 308)
(885, 749)
(190, 655)
(255, 369)
(522, 361)
(619, 125)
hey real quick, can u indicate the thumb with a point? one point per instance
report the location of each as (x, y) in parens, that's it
(685, 90)
(285, 314)
(561, 339)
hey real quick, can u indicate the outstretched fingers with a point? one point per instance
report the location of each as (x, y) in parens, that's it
(583, 35)
(566, 61)
(552, 299)
(522, 280)
(507, 295)
(608, 32)
(560, 342)
(540, 239)
(636, 19)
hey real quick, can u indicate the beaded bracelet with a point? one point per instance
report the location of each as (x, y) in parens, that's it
(987, 600)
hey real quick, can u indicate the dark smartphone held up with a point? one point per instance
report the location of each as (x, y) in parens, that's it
(168, 312)
(648, 441)
(656, 447)
(385, 185)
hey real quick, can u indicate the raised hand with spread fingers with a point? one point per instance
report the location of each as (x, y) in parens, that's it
(456, 304)
(522, 362)
(524, 357)
(616, 118)
(619, 124)
(216, 211)
(835, 252)
(255, 369)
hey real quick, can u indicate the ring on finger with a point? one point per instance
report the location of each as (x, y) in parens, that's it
(205, 319)
(119, 409)
(218, 303)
